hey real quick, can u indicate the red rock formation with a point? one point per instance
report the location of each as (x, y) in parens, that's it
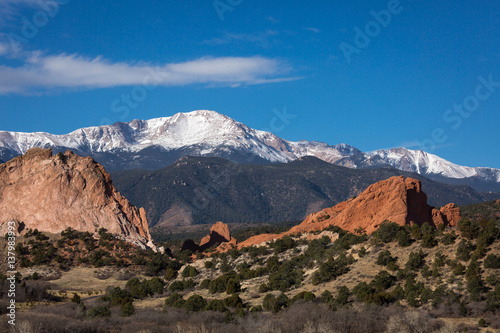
(52, 193)
(447, 215)
(395, 199)
(219, 234)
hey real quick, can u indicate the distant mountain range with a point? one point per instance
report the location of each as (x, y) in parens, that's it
(156, 143)
(197, 190)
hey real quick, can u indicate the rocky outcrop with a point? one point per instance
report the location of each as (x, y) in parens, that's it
(219, 235)
(51, 193)
(447, 215)
(396, 199)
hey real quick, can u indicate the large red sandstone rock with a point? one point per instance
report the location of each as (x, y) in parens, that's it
(219, 234)
(395, 199)
(52, 193)
(447, 215)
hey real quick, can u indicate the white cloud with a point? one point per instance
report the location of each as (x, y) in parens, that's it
(315, 30)
(40, 73)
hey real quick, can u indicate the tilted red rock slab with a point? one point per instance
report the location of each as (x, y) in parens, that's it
(51, 193)
(396, 199)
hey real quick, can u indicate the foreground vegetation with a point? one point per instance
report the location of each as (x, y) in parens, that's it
(399, 279)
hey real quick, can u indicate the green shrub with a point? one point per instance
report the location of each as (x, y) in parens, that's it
(270, 303)
(233, 301)
(330, 270)
(382, 281)
(398, 293)
(464, 249)
(216, 305)
(195, 303)
(210, 264)
(492, 261)
(99, 311)
(458, 269)
(174, 300)
(387, 231)
(282, 300)
(256, 309)
(473, 269)
(493, 298)
(362, 291)
(343, 296)
(189, 271)
(263, 288)
(170, 274)
(346, 240)
(415, 260)
(416, 232)
(449, 238)
(181, 285)
(219, 285)
(76, 298)
(404, 239)
(285, 277)
(127, 309)
(468, 229)
(205, 283)
(118, 296)
(492, 279)
(475, 287)
(233, 286)
(439, 259)
(283, 244)
(326, 297)
(429, 240)
(413, 291)
(307, 296)
(384, 258)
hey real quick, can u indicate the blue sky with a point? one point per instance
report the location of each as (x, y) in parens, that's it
(373, 74)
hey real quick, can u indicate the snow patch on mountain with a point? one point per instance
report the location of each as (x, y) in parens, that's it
(209, 132)
(422, 163)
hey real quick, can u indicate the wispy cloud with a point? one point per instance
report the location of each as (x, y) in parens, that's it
(315, 30)
(39, 73)
(261, 38)
(3, 49)
(9, 8)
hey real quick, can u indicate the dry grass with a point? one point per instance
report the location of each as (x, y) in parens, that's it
(83, 280)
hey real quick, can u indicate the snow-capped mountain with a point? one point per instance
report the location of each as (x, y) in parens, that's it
(155, 143)
(429, 165)
(201, 133)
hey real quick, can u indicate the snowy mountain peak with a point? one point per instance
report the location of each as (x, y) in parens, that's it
(209, 133)
(422, 163)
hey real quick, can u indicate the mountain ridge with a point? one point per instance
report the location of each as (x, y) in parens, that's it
(156, 143)
(235, 193)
